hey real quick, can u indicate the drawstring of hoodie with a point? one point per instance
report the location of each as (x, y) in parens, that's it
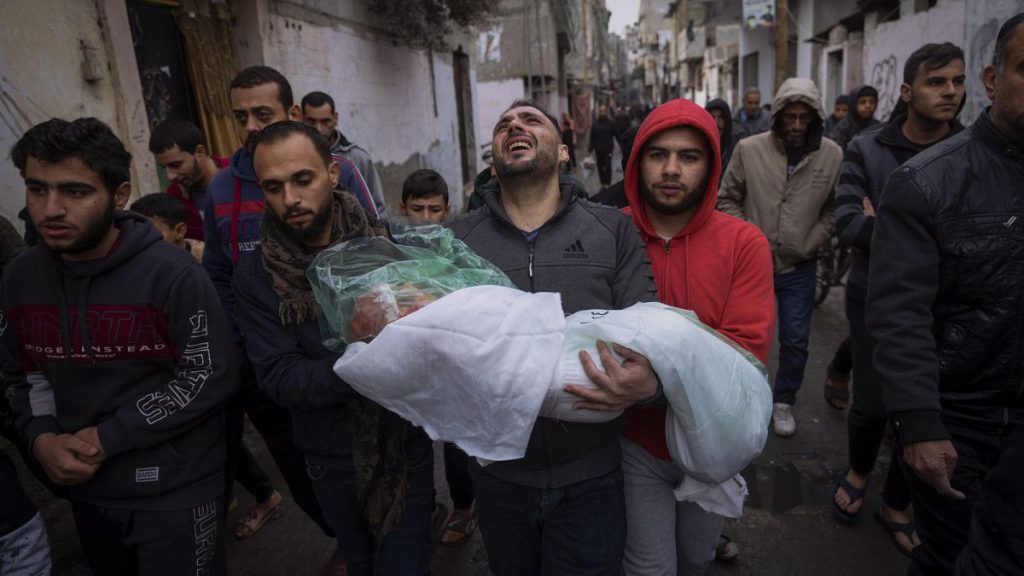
(83, 321)
(65, 322)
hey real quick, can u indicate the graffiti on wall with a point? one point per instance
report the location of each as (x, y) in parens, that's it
(979, 54)
(489, 45)
(886, 80)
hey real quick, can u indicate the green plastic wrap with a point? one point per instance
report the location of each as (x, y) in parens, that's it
(363, 284)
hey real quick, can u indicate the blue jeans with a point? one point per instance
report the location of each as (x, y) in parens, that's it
(794, 302)
(406, 549)
(573, 530)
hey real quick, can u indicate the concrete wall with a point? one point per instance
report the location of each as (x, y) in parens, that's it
(397, 103)
(981, 23)
(888, 44)
(492, 99)
(759, 40)
(42, 46)
(517, 53)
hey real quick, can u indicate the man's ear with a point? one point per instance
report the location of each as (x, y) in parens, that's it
(988, 78)
(905, 90)
(201, 150)
(295, 113)
(563, 153)
(179, 230)
(122, 194)
(402, 209)
(334, 171)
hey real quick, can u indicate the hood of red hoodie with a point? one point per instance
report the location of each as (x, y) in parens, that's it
(678, 112)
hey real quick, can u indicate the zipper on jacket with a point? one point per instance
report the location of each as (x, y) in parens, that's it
(531, 268)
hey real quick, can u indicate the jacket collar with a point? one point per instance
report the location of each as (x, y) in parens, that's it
(891, 133)
(989, 134)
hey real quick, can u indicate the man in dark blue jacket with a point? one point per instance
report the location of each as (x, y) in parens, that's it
(946, 308)
(371, 471)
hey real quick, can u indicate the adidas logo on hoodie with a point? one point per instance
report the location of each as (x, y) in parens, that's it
(575, 250)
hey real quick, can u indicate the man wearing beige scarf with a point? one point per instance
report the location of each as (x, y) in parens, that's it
(372, 473)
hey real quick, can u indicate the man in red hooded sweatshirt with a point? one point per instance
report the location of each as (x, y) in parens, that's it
(706, 261)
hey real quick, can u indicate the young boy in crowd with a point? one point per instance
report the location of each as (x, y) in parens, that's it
(425, 201)
(425, 197)
(170, 217)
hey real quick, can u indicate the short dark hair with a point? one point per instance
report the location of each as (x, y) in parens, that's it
(316, 100)
(87, 139)
(424, 183)
(842, 99)
(533, 104)
(931, 56)
(254, 76)
(869, 91)
(285, 129)
(1006, 32)
(168, 208)
(175, 132)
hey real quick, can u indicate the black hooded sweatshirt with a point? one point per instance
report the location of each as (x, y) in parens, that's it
(135, 344)
(727, 138)
(853, 124)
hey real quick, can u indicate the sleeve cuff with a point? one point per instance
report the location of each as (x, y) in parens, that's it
(113, 437)
(38, 426)
(919, 426)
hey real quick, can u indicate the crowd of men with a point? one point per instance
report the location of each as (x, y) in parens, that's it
(135, 342)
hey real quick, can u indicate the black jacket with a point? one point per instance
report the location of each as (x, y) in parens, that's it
(945, 302)
(295, 369)
(603, 135)
(592, 255)
(868, 161)
(848, 127)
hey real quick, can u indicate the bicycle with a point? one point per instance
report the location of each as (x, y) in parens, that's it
(833, 264)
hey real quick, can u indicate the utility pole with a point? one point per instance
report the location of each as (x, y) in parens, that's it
(526, 49)
(781, 41)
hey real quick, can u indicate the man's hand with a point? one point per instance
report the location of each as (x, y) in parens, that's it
(61, 456)
(933, 461)
(869, 208)
(619, 385)
(91, 436)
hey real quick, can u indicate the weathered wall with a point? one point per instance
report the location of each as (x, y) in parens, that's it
(397, 103)
(759, 41)
(517, 51)
(492, 99)
(888, 44)
(981, 24)
(41, 77)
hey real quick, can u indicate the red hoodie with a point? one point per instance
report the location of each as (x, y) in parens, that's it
(718, 266)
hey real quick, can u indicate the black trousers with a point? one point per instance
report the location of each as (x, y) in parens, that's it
(147, 543)
(274, 424)
(943, 524)
(456, 473)
(604, 167)
(997, 526)
(866, 422)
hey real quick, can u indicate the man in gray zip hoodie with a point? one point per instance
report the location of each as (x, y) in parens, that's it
(120, 358)
(560, 509)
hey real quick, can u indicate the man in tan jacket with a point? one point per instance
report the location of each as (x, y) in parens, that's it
(782, 181)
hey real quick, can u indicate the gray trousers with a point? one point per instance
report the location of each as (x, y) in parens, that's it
(663, 536)
(26, 551)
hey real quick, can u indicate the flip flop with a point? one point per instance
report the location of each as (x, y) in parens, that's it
(251, 524)
(464, 527)
(837, 392)
(894, 529)
(727, 550)
(854, 494)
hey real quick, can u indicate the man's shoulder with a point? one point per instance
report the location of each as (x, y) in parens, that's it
(462, 225)
(248, 270)
(736, 230)
(221, 187)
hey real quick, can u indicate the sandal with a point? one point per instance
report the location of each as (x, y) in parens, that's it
(257, 517)
(726, 550)
(837, 389)
(894, 529)
(462, 527)
(855, 496)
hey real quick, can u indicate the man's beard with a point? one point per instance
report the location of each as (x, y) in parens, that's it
(92, 235)
(538, 169)
(321, 220)
(692, 199)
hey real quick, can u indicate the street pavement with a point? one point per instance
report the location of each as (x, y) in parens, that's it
(788, 528)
